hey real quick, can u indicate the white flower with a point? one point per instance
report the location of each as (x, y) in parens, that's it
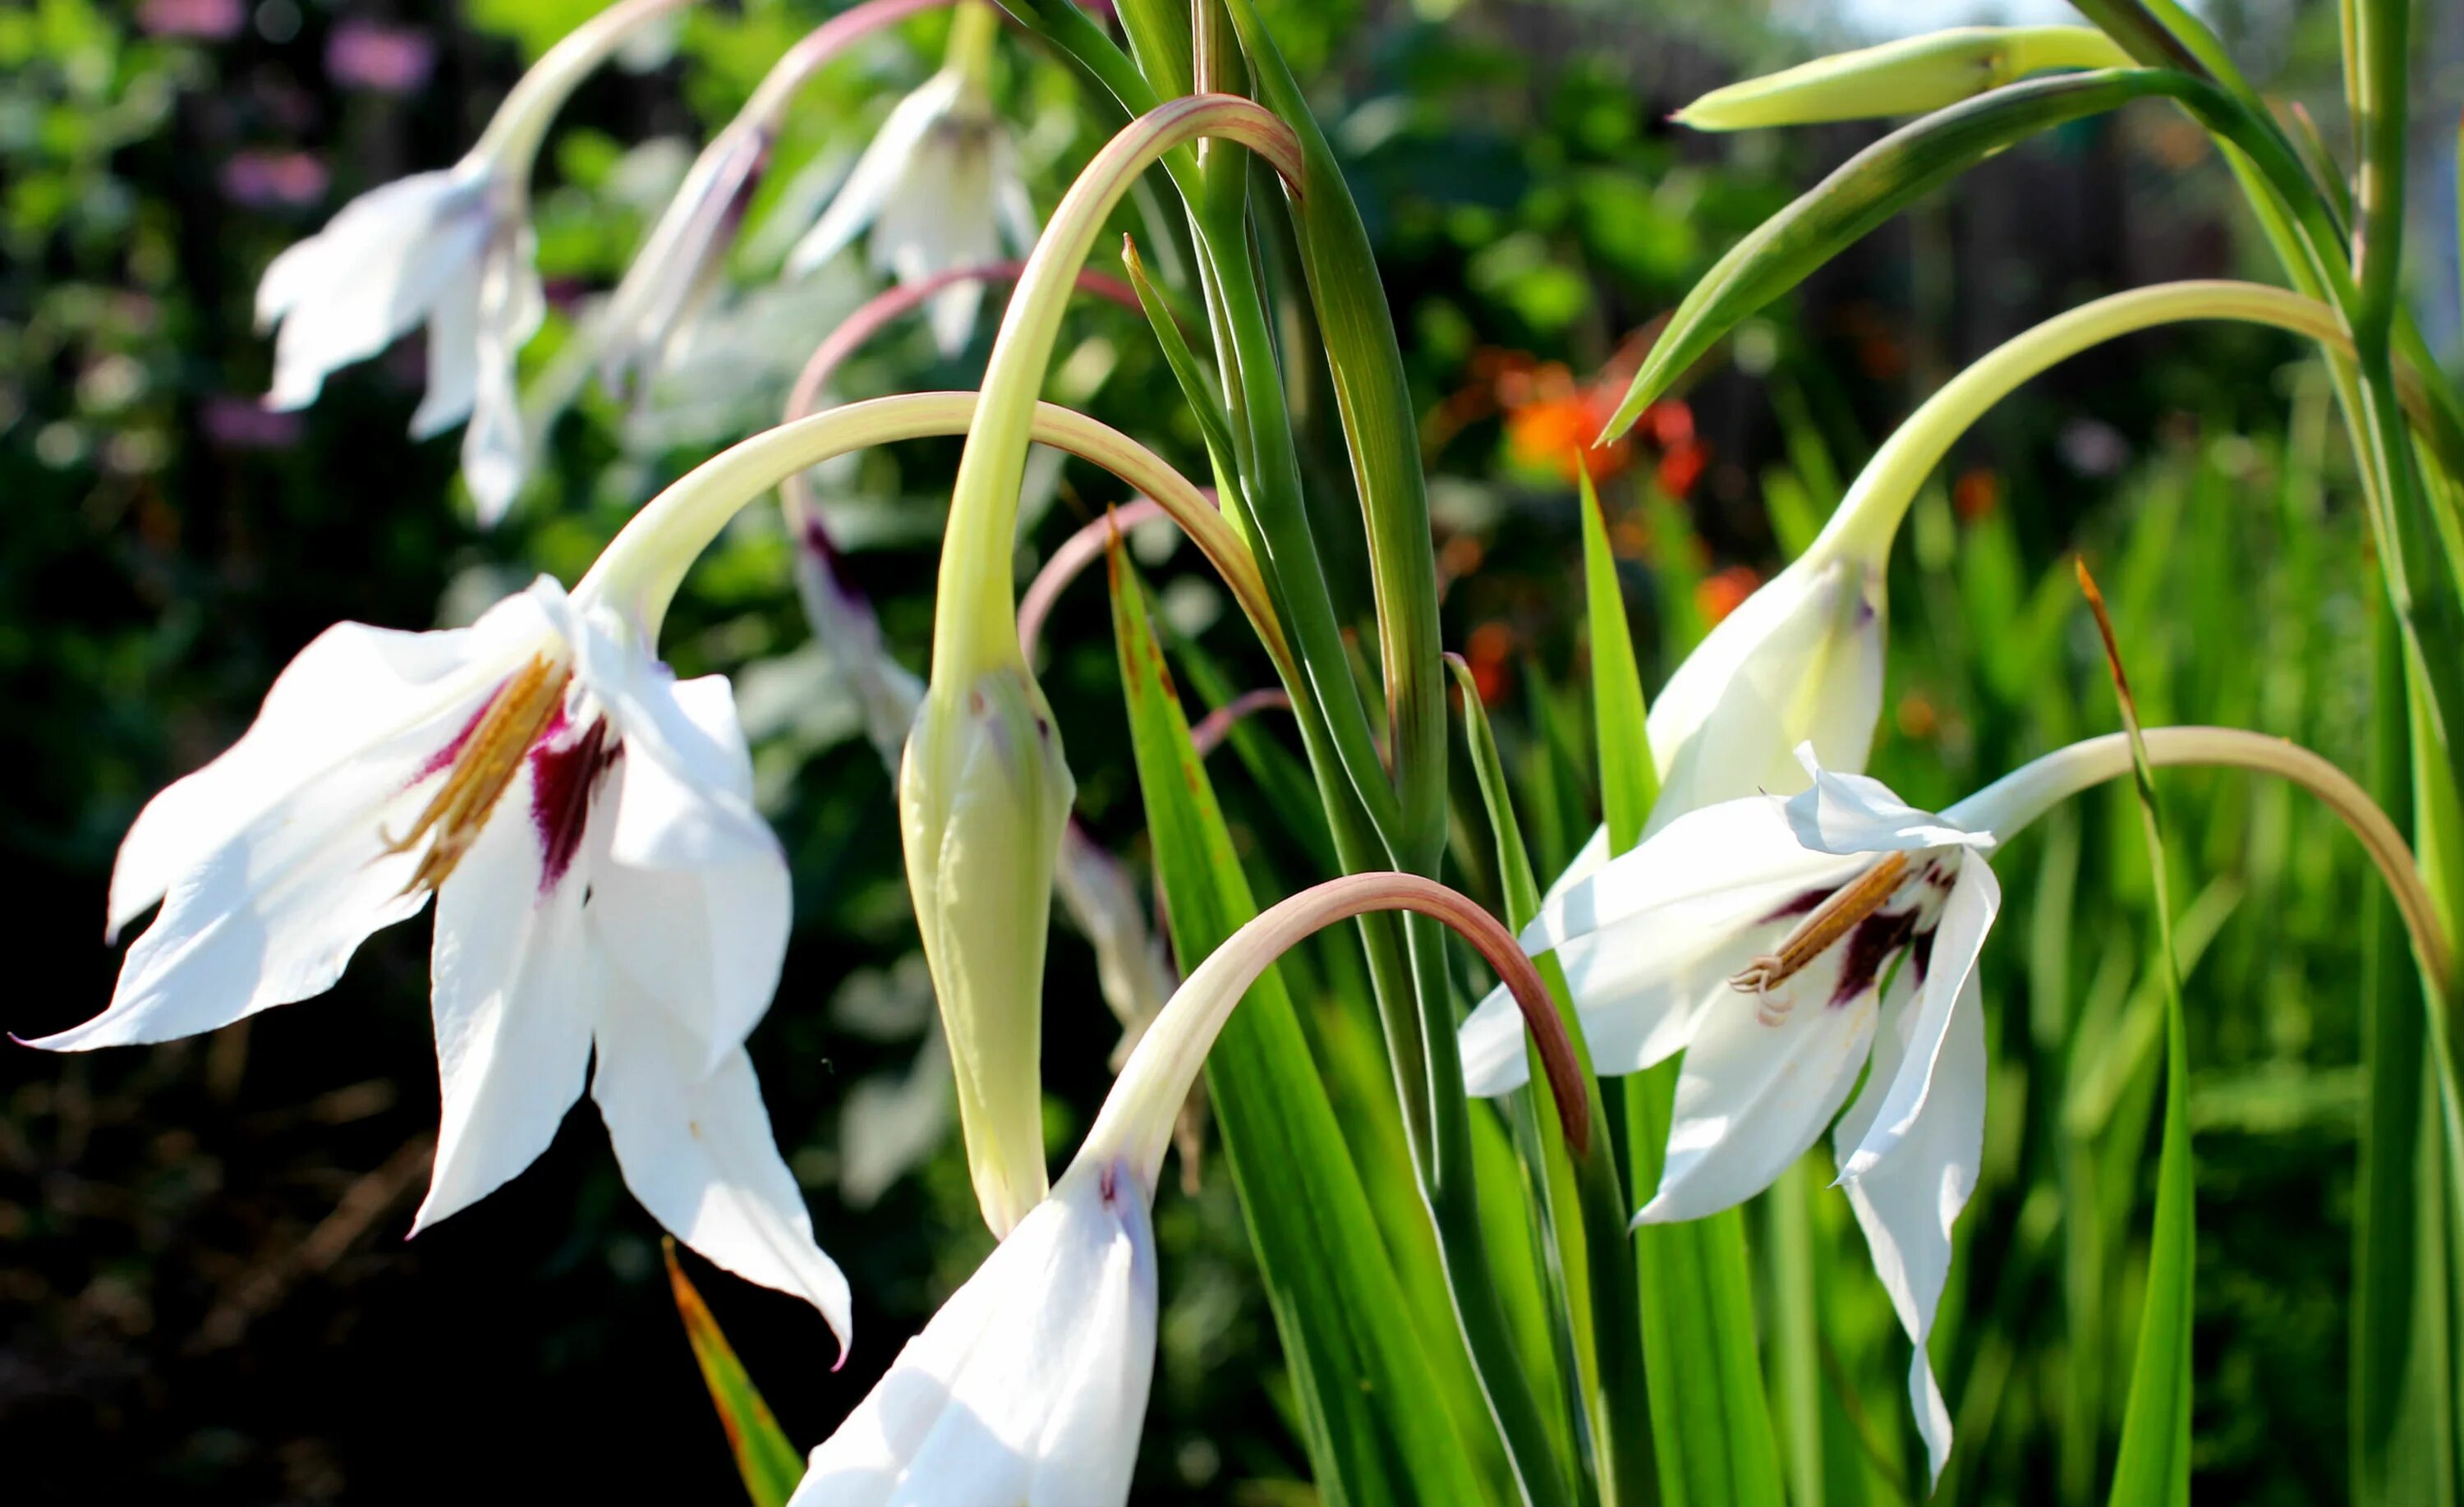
(1778, 944)
(940, 189)
(602, 881)
(451, 249)
(1030, 1385)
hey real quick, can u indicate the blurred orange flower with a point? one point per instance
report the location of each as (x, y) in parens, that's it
(1719, 594)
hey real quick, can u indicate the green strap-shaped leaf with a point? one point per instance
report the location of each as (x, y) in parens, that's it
(2154, 1467)
(1710, 1418)
(2403, 1436)
(1878, 182)
(770, 1465)
(1381, 1414)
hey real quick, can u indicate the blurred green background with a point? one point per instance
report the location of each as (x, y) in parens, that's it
(204, 1288)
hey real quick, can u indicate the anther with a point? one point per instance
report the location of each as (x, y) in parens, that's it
(1825, 924)
(491, 756)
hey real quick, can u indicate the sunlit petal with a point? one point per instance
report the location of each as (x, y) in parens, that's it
(1845, 812)
(1923, 1031)
(511, 1007)
(1908, 1202)
(698, 1151)
(1761, 1080)
(1031, 1383)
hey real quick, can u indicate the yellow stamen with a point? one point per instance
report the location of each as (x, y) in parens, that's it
(1827, 922)
(491, 756)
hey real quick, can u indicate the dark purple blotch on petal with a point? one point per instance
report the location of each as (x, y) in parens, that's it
(564, 773)
(1800, 906)
(1870, 948)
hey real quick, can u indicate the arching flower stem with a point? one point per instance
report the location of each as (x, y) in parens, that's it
(642, 567)
(2026, 793)
(1136, 1123)
(975, 624)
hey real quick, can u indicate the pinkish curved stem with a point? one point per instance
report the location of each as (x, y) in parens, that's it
(1215, 724)
(1076, 553)
(796, 493)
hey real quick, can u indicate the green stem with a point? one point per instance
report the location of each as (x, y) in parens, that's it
(521, 123)
(975, 624)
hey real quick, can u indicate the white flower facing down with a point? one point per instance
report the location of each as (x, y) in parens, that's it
(1780, 943)
(1030, 1385)
(602, 883)
(452, 248)
(940, 188)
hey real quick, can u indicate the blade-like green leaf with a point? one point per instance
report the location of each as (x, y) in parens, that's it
(1383, 1417)
(1585, 1205)
(1878, 182)
(2402, 1440)
(770, 1466)
(1629, 780)
(2154, 1466)
(1710, 1418)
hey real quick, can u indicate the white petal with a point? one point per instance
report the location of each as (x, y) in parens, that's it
(1843, 813)
(877, 173)
(347, 293)
(1031, 1384)
(1800, 659)
(1649, 939)
(452, 361)
(1721, 867)
(1909, 1204)
(940, 218)
(1012, 210)
(495, 448)
(1756, 1091)
(693, 900)
(1950, 976)
(1640, 991)
(697, 1151)
(705, 943)
(512, 979)
(274, 914)
(352, 689)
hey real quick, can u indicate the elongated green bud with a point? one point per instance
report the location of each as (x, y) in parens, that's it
(1910, 77)
(985, 788)
(983, 796)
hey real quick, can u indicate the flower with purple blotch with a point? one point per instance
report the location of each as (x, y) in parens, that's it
(603, 885)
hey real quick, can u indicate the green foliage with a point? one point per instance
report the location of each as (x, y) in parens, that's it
(770, 1465)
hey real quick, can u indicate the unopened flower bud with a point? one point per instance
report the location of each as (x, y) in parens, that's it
(1910, 77)
(982, 801)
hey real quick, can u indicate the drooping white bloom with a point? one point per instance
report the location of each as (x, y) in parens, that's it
(602, 881)
(1780, 943)
(679, 263)
(940, 188)
(1800, 660)
(452, 248)
(1030, 1385)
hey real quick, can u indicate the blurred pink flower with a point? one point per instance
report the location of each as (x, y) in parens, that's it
(391, 59)
(260, 179)
(213, 19)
